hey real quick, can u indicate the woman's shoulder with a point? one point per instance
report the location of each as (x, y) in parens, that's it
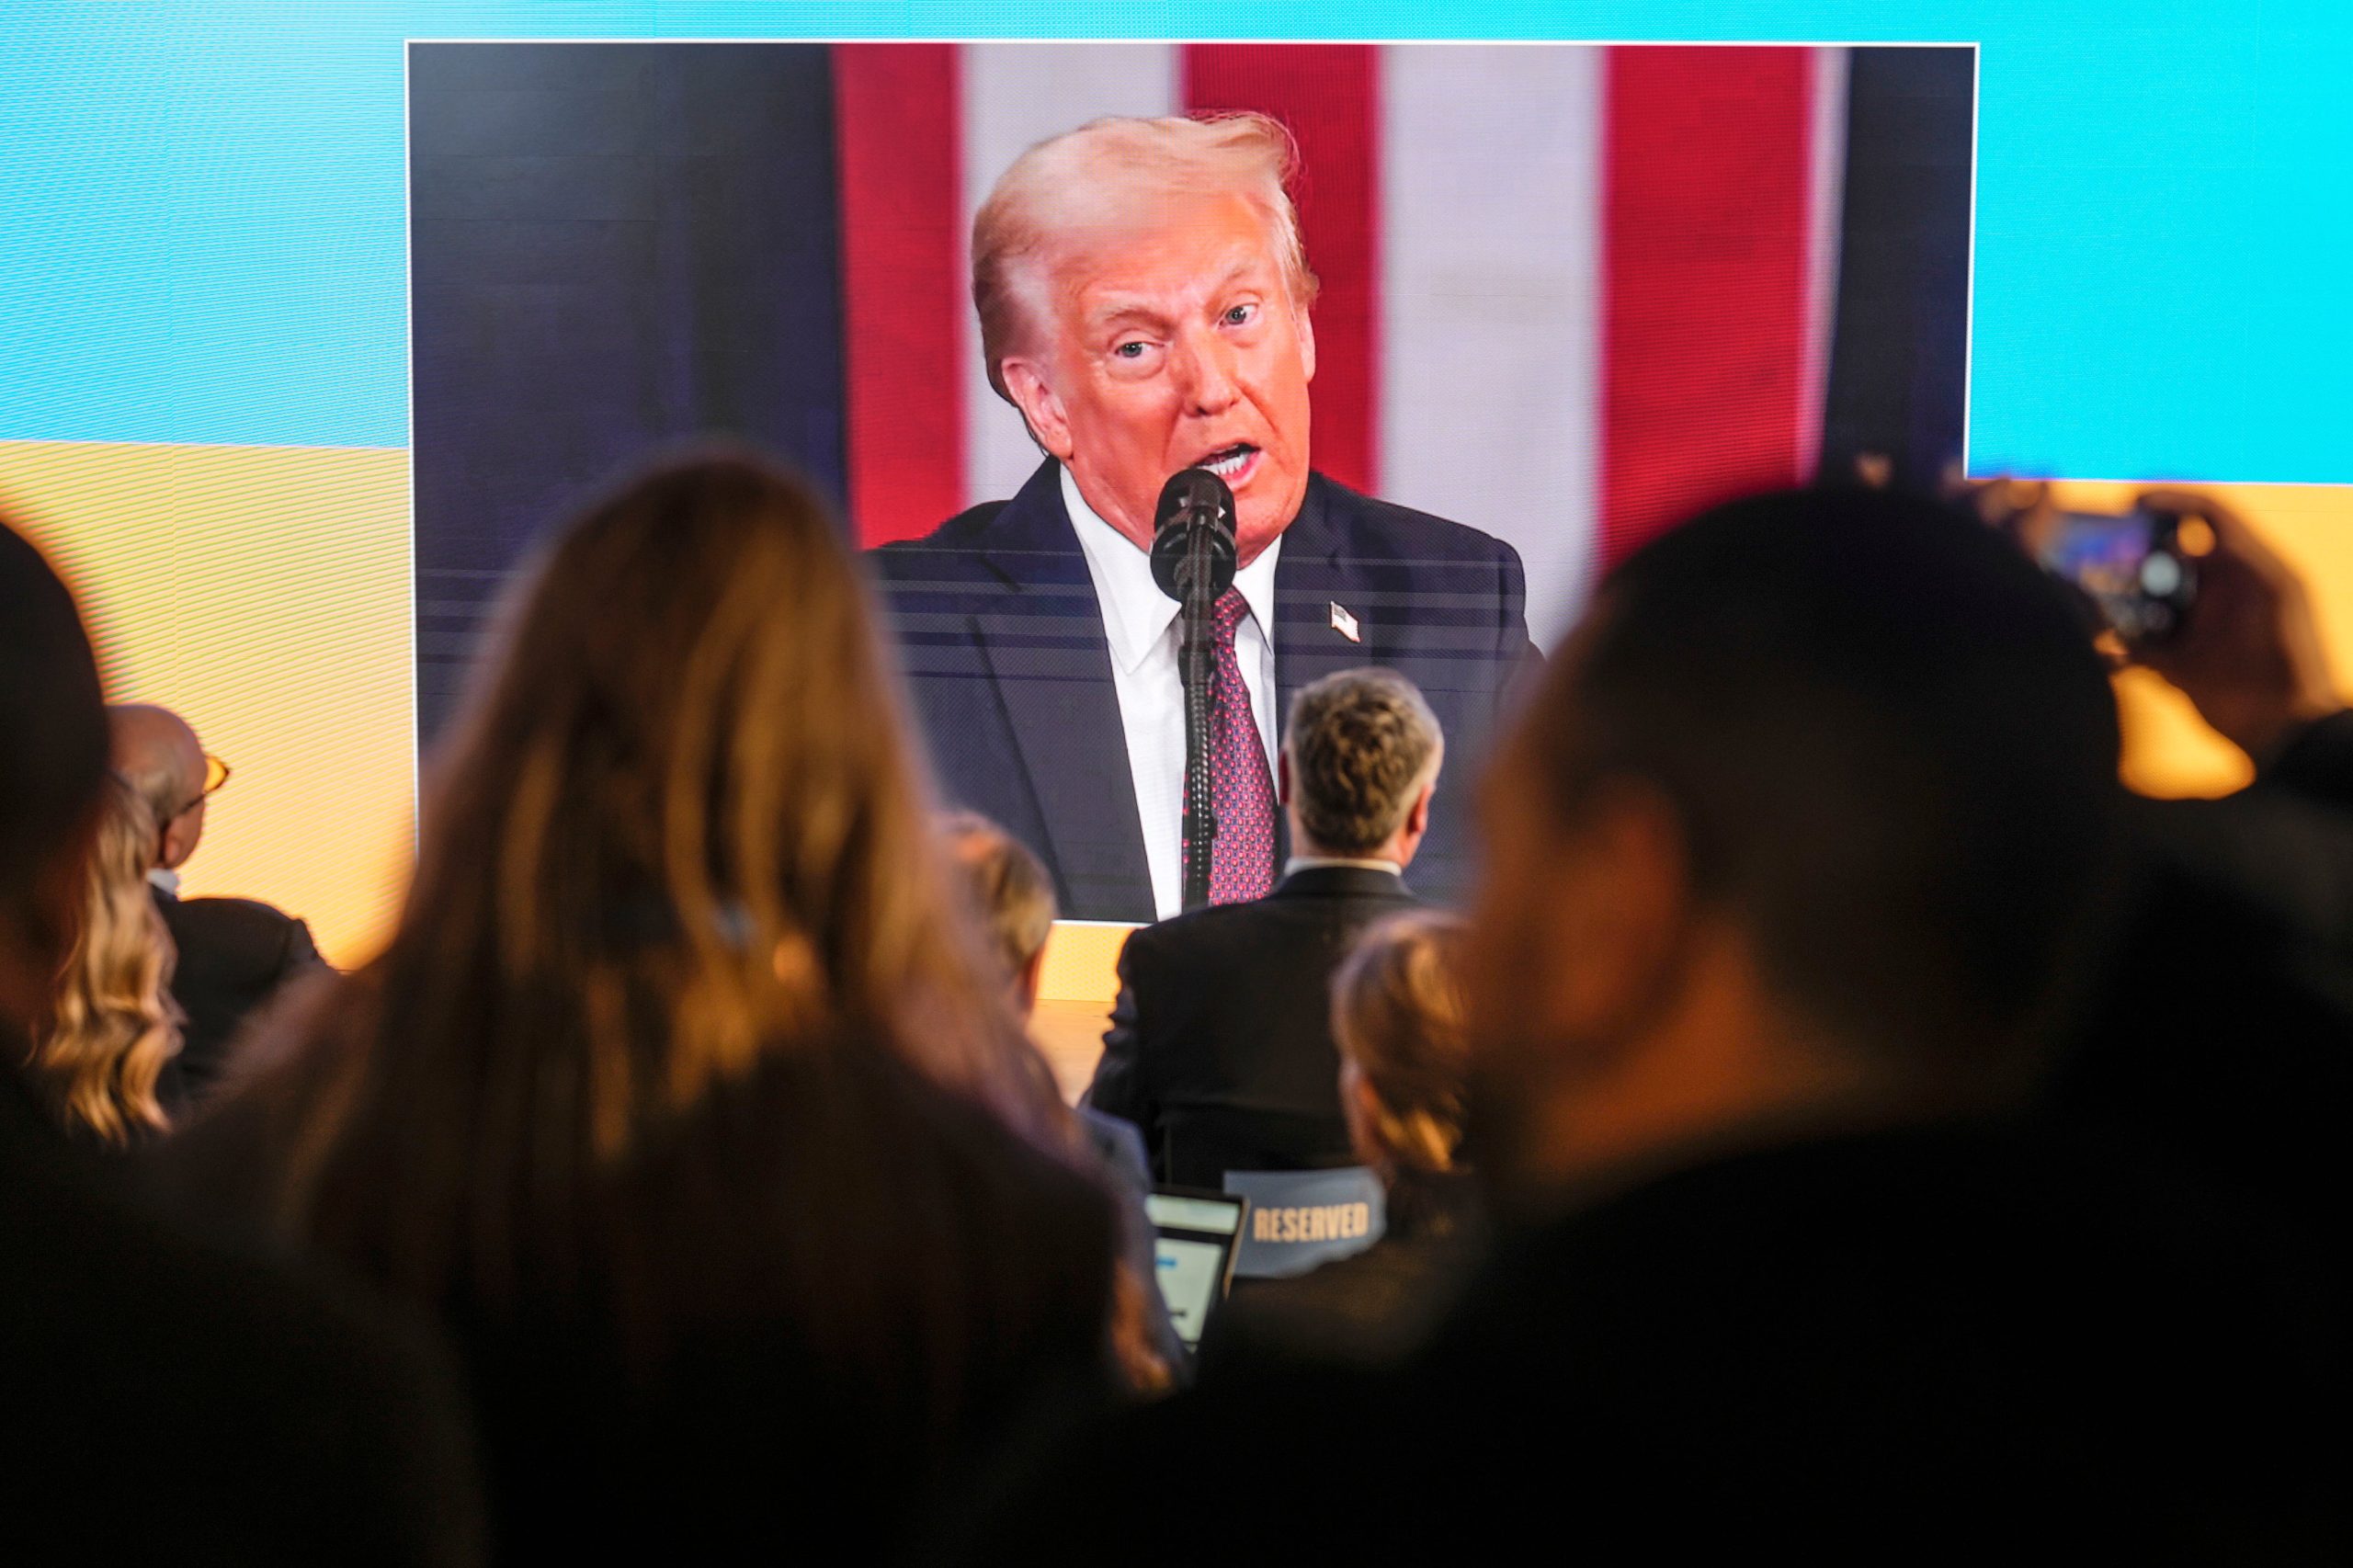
(871, 1150)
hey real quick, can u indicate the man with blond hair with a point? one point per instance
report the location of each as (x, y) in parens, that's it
(1145, 304)
(1221, 1049)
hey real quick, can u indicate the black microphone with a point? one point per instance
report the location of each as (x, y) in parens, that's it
(1192, 537)
(1192, 559)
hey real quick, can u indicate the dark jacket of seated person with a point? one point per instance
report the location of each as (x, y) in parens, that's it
(235, 956)
(894, 1293)
(1397, 1014)
(830, 1298)
(1783, 892)
(1219, 1049)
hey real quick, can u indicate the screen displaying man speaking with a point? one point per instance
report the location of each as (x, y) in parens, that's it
(1146, 304)
(1459, 324)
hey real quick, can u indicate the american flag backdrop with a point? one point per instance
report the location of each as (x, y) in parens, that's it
(1567, 291)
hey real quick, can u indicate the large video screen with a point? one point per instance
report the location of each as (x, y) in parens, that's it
(1544, 299)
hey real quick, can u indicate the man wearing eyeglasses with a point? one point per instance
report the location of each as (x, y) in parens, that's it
(235, 953)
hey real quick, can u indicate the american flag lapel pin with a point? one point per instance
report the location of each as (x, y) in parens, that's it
(1346, 624)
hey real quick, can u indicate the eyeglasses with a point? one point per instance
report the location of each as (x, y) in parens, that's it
(216, 773)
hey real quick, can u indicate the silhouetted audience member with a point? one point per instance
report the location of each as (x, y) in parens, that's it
(112, 1026)
(1013, 897)
(2219, 1042)
(236, 954)
(1397, 1017)
(165, 1400)
(682, 1094)
(1219, 1049)
(1785, 866)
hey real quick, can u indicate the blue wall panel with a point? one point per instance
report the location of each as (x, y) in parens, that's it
(201, 205)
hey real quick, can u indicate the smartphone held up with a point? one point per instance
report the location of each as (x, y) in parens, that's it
(2137, 570)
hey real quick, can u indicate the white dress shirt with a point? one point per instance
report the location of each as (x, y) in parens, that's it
(1139, 621)
(1299, 863)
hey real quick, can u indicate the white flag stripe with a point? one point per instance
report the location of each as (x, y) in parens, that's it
(1826, 199)
(1016, 95)
(1491, 246)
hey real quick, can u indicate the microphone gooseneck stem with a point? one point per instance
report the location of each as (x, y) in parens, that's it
(1197, 670)
(1193, 563)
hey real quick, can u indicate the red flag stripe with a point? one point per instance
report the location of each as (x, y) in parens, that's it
(1705, 280)
(896, 117)
(1328, 95)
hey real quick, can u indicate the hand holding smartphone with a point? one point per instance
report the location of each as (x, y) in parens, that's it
(2181, 585)
(2139, 569)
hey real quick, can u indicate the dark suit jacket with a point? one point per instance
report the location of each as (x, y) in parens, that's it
(1005, 656)
(234, 955)
(169, 1399)
(1919, 1346)
(1221, 1047)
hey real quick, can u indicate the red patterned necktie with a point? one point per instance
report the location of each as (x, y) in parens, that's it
(1242, 791)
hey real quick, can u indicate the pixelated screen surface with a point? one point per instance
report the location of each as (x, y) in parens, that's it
(1563, 294)
(209, 253)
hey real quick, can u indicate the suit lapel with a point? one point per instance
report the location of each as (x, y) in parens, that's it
(1051, 664)
(1312, 577)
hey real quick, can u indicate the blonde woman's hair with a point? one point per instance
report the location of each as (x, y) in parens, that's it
(1013, 896)
(1397, 1014)
(682, 828)
(113, 1025)
(1108, 169)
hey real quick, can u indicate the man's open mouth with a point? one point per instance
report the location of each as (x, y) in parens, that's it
(1227, 462)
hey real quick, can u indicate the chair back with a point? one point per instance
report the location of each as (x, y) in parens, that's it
(1200, 1143)
(1300, 1219)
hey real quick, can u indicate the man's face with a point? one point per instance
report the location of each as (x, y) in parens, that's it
(1173, 343)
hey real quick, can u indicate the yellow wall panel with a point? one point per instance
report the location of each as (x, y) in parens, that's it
(264, 593)
(1083, 961)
